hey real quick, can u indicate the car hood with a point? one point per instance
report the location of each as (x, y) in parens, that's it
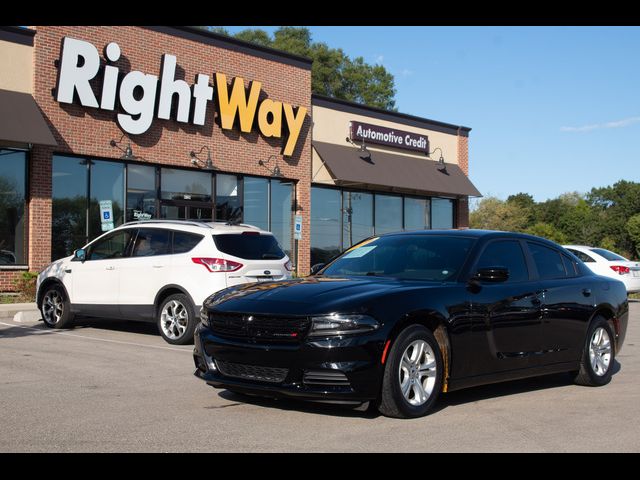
(310, 295)
(55, 268)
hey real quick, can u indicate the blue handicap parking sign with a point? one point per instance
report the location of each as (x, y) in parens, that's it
(106, 215)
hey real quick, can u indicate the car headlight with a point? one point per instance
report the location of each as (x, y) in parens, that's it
(338, 324)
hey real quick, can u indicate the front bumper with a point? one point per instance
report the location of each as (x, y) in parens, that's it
(354, 362)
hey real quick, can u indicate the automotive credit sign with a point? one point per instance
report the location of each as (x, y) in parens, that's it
(389, 136)
(141, 97)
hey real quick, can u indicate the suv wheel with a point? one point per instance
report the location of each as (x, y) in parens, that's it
(177, 319)
(55, 308)
(413, 375)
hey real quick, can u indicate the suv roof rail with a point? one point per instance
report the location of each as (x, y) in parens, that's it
(179, 222)
(196, 223)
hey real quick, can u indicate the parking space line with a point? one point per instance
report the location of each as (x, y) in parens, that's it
(41, 331)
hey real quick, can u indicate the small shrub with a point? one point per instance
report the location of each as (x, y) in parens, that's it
(26, 286)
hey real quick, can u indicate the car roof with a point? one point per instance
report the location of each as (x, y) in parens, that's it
(473, 233)
(214, 228)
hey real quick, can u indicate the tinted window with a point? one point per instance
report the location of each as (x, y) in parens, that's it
(609, 255)
(112, 246)
(388, 214)
(151, 242)
(256, 202)
(441, 213)
(420, 257)
(106, 184)
(185, 185)
(570, 265)
(281, 196)
(141, 192)
(184, 242)
(507, 254)
(416, 213)
(249, 246)
(13, 167)
(357, 219)
(228, 200)
(548, 261)
(581, 255)
(325, 224)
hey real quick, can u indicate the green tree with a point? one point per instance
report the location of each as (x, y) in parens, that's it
(548, 231)
(633, 229)
(333, 73)
(495, 214)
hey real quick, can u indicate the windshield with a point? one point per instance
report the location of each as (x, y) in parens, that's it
(609, 255)
(415, 257)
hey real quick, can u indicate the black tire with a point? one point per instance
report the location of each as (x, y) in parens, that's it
(597, 373)
(55, 308)
(392, 402)
(176, 319)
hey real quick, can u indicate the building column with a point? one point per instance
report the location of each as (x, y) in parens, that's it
(40, 208)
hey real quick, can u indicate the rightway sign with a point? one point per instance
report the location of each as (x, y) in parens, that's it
(389, 137)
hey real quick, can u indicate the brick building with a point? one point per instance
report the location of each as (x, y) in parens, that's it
(172, 122)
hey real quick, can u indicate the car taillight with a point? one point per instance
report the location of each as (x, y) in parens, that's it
(288, 265)
(218, 264)
(620, 269)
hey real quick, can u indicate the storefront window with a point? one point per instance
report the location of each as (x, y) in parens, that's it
(388, 214)
(256, 202)
(357, 217)
(325, 224)
(228, 200)
(107, 185)
(13, 165)
(416, 213)
(141, 192)
(185, 185)
(281, 196)
(69, 211)
(441, 213)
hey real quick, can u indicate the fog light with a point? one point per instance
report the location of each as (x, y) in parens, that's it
(211, 364)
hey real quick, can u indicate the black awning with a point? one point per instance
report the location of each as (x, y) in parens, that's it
(349, 166)
(21, 120)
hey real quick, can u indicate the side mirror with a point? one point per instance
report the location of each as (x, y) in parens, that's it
(492, 274)
(317, 267)
(80, 255)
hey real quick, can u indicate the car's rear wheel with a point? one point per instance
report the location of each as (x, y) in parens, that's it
(598, 356)
(413, 374)
(55, 308)
(177, 319)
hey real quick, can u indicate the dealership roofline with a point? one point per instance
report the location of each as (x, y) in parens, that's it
(234, 44)
(381, 114)
(20, 35)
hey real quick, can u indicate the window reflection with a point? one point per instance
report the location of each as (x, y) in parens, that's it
(228, 200)
(13, 166)
(357, 219)
(325, 224)
(416, 213)
(281, 197)
(441, 213)
(141, 192)
(388, 213)
(256, 202)
(185, 185)
(107, 184)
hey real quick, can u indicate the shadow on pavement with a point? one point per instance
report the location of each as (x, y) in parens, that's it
(460, 397)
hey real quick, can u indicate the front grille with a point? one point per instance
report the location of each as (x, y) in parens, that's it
(326, 378)
(259, 327)
(252, 372)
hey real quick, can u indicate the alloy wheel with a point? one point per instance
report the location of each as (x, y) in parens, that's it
(417, 373)
(174, 319)
(52, 307)
(600, 351)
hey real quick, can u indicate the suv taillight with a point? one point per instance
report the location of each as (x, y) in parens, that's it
(288, 266)
(620, 269)
(218, 264)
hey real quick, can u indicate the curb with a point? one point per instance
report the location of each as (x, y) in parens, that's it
(24, 311)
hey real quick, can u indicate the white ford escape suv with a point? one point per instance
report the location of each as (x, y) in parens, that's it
(158, 271)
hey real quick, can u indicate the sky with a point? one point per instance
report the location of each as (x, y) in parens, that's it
(552, 109)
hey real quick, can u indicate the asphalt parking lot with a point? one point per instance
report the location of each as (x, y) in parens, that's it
(109, 386)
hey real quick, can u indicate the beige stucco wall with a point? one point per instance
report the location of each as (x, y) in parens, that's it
(332, 126)
(16, 73)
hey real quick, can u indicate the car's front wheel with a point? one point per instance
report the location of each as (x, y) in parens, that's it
(55, 308)
(413, 374)
(177, 319)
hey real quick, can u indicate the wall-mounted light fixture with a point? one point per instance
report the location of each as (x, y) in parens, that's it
(275, 172)
(441, 165)
(127, 152)
(365, 154)
(207, 164)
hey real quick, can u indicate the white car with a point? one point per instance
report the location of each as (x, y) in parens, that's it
(158, 271)
(609, 264)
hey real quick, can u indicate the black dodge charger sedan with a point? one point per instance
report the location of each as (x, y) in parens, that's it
(399, 318)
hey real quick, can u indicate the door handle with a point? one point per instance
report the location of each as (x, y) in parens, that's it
(67, 270)
(586, 292)
(110, 268)
(158, 266)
